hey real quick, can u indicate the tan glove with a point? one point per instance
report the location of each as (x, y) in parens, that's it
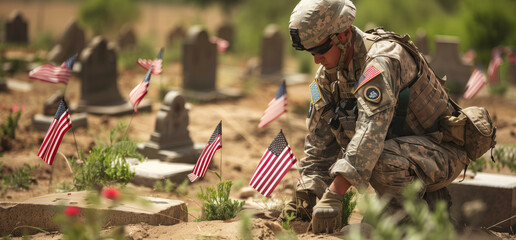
(327, 215)
(302, 205)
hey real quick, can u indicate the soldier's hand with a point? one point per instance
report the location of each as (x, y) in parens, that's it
(327, 215)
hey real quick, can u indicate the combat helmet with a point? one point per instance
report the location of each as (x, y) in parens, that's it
(312, 21)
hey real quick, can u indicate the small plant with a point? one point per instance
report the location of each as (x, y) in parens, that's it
(21, 178)
(505, 157)
(348, 204)
(164, 186)
(8, 129)
(246, 226)
(106, 163)
(286, 222)
(182, 189)
(217, 205)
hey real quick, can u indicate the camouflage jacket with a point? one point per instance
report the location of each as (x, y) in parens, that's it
(366, 94)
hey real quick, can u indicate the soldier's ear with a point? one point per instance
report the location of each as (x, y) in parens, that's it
(343, 36)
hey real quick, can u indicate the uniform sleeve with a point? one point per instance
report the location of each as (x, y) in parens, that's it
(376, 95)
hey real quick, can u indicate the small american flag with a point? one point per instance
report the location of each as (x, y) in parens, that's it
(157, 63)
(137, 94)
(55, 133)
(496, 62)
(54, 74)
(476, 82)
(275, 163)
(214, 144)
(276, 107)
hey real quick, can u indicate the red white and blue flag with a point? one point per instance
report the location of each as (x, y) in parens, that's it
(476, 82)
(214, 144)
(137, 94)
(60, 124)
(54, 74)
(157, 63)
(496, 62)
(275, 163)
(276, 107)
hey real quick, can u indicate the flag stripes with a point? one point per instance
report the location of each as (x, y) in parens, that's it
(494, 64)
(137, 94)
(276, 107)
(59, 126)
(53, 74)
(476, 82)
(214, 144)
(156, 63)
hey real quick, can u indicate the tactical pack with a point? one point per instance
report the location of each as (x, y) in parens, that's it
(470, 128)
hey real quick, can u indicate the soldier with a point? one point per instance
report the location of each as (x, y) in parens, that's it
(373, 118)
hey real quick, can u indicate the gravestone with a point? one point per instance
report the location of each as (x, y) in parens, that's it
(146, 173)
(126, 38)
(16, 29)
(41, 122)
(511, 73)
(176, 34)
(199, 61)
(422, 42)
(98, 75)
(226, 32)
(485, 200)
(72, 42)
(272, 51)
(447, 61)
(171, 140)
(39, 212)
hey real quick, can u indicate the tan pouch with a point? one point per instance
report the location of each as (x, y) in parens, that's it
(453, 128)
(479, 132)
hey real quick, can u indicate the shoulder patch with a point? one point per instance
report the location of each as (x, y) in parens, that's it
(368, 74)
(314, 90)
(373, 94)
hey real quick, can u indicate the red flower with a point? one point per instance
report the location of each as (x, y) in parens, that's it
(111, 193)
(72, 211)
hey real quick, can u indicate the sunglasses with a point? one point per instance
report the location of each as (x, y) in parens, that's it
(321, 49)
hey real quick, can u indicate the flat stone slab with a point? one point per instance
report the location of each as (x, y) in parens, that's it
(497, 193)
(186, 154)
(209, 96)
(18, 85)
(150, 171)
(41, 122)
(114, 110)
(40, 212)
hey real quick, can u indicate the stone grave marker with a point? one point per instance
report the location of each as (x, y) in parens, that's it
(447, 61)
(98, 75)
(41, 122)
(126, 38)
(171, 140)
(176, 34)
(511, 73)
(494, 197)
(226, 32)
(199, 61)
(150, 171)
(72, 42)
(272, 51)
(39, 212)
(16, 29)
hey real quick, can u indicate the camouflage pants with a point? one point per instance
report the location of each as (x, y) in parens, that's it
(403, 160)
(406, 158)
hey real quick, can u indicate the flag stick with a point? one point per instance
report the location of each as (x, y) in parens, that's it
(220, 168)
(129, 125)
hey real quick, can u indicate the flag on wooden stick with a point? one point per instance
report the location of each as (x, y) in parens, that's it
(214, 144)
(275, 163)
(60, 124)
(54, 74)
(137, 94)
(157, 63)
(276, 107)
(476, 82)
(494, 64)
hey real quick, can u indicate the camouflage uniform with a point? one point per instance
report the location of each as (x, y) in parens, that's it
(369, 144)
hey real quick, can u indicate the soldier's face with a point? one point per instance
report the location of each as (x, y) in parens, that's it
(329, 59)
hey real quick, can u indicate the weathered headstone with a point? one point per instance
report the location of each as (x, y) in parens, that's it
(39, 212)
(126, 38)
(72, 42)
(176, 34)
(41, 122)
(146, 173)
(16, 29)
(199, 61)
(447, 61)
(98, 75)
(422, 41)
(171, 140)
(485, 200)
(272, 51)
(226, 32)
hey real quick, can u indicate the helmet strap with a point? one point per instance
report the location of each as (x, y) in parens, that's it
(346, 48)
